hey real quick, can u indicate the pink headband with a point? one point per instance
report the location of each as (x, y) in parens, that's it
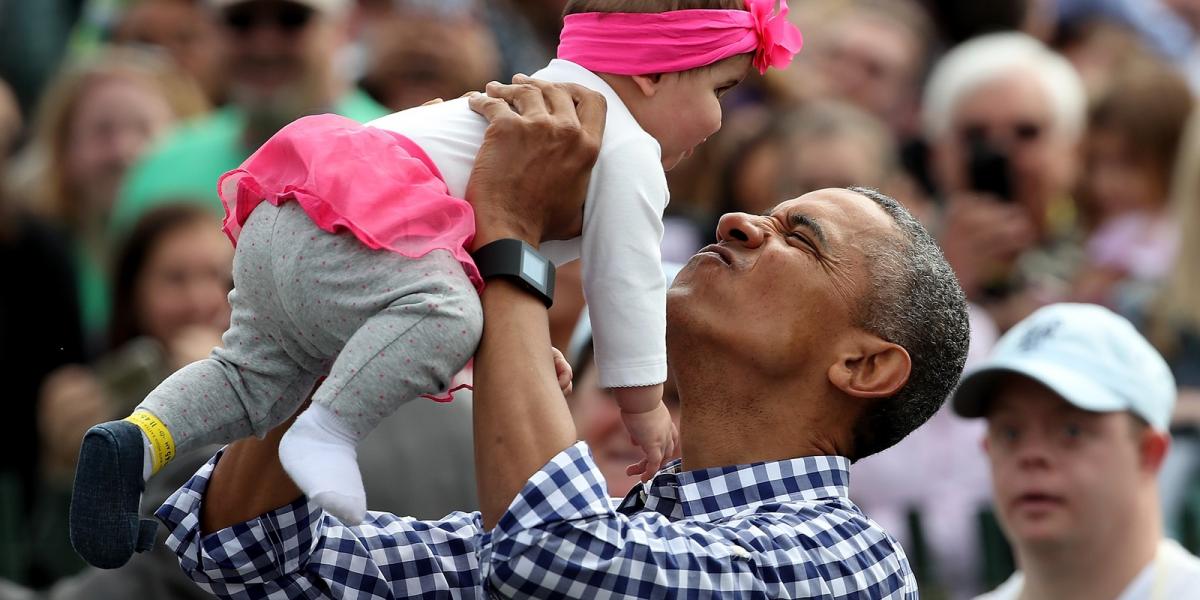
(668, 42)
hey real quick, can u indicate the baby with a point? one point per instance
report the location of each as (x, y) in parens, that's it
(351, 264)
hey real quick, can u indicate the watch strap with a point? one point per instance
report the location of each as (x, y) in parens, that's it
(519, 262)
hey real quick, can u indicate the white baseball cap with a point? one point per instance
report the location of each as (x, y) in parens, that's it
(322, 6)
(1087, 354)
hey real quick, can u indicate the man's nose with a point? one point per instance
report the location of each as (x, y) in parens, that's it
(740, 227)
(1033, 454)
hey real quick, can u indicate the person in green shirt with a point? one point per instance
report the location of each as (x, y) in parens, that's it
(279, 57)
(99, 116)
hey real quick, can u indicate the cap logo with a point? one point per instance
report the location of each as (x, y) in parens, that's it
(1036, 335)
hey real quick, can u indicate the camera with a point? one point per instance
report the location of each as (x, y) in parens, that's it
(989, 170)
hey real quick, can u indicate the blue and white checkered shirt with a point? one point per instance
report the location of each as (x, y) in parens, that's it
(782, 529)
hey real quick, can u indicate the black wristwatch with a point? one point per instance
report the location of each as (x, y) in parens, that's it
(519, 262)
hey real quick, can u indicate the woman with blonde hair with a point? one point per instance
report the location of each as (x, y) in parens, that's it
(94, 121)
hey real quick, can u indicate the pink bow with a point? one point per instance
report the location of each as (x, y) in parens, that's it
(778, 39)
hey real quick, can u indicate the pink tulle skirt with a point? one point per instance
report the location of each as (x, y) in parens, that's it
(378, 185)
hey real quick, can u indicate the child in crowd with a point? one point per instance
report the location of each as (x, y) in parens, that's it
(352, 264)
(1128, 155)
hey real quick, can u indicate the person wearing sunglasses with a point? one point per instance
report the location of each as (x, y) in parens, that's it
(278, 58)
(1003, 114)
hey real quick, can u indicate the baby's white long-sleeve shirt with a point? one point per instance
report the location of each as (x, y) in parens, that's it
(622, 223)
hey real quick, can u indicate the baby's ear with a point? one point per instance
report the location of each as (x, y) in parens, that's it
(648, 84)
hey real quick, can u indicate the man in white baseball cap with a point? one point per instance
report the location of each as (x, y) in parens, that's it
(1077, 404)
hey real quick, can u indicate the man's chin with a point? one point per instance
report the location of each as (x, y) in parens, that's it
(703, 271)
(687, 279)
(1043, 531)
(278, 97)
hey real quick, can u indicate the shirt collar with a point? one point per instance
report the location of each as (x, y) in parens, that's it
(721, 492)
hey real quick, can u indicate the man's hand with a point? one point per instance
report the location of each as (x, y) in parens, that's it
(71, 401)
(983, 237)
(530, 177)
(191, 344)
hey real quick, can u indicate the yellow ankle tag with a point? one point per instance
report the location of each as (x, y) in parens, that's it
(159, 436)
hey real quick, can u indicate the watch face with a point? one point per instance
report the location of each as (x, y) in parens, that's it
(533, 267)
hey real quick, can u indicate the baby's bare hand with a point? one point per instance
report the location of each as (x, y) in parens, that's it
(655, 433)
(562, 368)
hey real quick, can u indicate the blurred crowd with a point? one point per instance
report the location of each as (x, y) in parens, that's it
(1052, 147)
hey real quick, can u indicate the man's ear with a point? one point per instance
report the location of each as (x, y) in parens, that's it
(869, 367)
(648, 84)
(1153, 446)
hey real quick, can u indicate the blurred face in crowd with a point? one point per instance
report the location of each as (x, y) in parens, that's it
(598, 421)
(681, 110)
(185, 281)
(416, 58)
(180, 28)
(871, 62)
(783, 287)
(1014, 114)
(834, 161)
(1188, 10)
(1115, 181)
(113, 122)
(752, 185)
(279, 54)
(1064, 476)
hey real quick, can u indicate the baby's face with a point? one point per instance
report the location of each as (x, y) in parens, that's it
(686, 107)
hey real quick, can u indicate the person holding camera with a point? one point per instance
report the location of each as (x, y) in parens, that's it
(1003, 114)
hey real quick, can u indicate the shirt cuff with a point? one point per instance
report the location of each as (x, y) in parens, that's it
(570, 488)
(633, 375)
(259, 550)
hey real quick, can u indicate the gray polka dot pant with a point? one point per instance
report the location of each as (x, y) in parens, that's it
(381, 327)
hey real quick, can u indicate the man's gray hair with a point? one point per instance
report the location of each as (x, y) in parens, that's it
(914, 301)
(986, 58)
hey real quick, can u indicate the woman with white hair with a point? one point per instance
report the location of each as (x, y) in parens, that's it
(1003, 114)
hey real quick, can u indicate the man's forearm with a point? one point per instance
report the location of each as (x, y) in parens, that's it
(521, 418)
(248, 481)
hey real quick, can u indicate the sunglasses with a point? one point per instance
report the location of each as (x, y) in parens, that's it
(1021, 132)
(285, 16)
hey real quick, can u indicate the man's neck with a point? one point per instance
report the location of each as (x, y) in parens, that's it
(1093, 570)
(729, 417)
(265, 118)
